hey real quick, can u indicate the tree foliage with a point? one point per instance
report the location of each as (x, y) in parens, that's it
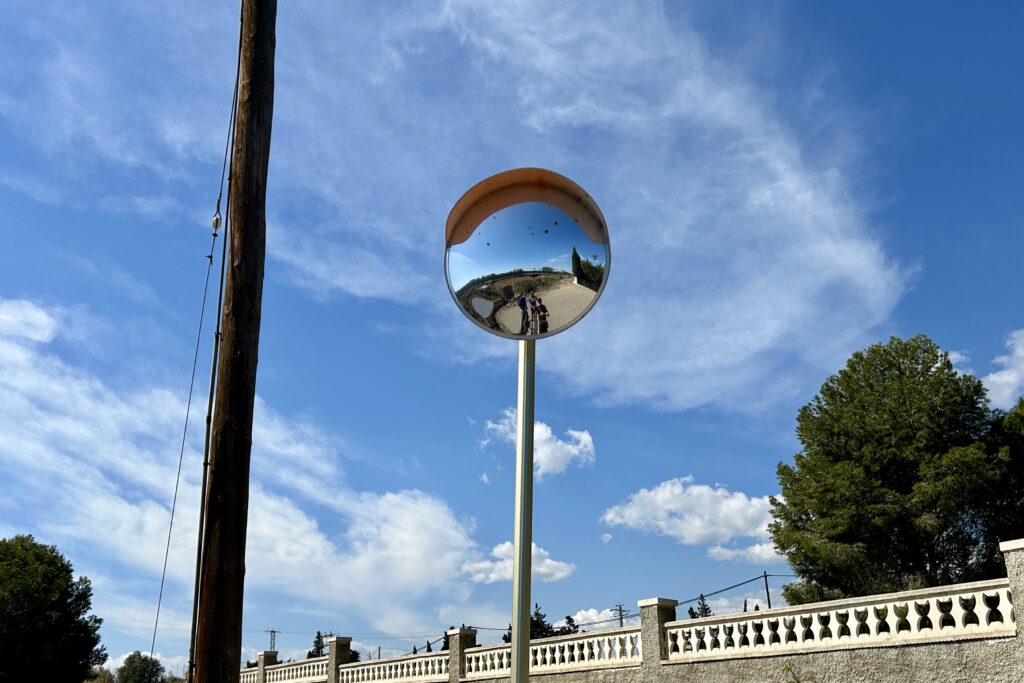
(44, 618)
(319, 649)
(140, 668)
(702, 609)
(100, 675)
(906, 478)
(589, 274)
(540, 627)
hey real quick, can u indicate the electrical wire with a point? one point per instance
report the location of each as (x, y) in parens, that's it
(184, 434)
(225, 172)
(759, 577)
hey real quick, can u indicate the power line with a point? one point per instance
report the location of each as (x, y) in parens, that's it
(184, 431)
(759, 577)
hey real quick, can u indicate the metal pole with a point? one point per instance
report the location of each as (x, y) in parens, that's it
(767, 594)
(523, 535)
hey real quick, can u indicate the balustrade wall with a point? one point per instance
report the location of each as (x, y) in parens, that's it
(965, 632)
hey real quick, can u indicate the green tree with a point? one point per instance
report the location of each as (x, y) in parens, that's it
(318, 646)
(1005, 514)
(140, 668)
(100, 675)
(702, 609)
(44, 616)
(902, 481)
(540, 627)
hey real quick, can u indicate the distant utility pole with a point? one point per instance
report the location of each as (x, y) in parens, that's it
(621, 610)
(219, 634)
(767, 594)
(273, 638)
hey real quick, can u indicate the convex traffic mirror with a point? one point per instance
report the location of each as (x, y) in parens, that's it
(527, 253)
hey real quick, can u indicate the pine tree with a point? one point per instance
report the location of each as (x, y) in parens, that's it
(703, 609)
(540, 627)
(906, 478)
(318, 647)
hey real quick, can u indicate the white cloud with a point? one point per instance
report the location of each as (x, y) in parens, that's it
(485, 479)
(606, 537)
(698, 514)
(758, 553)
(733, 604)
(66, 432)
(598, 620)
(960, 362)
(172, 665)
(543, 568)
(1006, 385)
(20, 318)
(551, 455)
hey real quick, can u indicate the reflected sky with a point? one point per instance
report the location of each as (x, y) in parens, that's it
(530, 236)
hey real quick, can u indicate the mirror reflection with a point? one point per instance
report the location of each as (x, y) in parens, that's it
(527, 271)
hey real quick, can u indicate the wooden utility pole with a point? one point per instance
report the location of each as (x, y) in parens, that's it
(219, 635)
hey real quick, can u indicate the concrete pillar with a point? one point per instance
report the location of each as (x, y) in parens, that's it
(339, 651)
(459, 640)
(263, 660)
(654, 614)
(1013, 555)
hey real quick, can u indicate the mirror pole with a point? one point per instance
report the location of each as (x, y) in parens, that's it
(523, 536)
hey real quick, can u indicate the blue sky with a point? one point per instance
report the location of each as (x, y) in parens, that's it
(527, 236)
(784, 184)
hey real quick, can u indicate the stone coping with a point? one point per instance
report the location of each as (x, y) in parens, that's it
(1017, 544)
(559, 639)
(657, 602)
(442, 654)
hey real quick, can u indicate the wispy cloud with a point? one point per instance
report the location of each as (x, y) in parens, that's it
(116, 277)
(733, 248)
(744, 263)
